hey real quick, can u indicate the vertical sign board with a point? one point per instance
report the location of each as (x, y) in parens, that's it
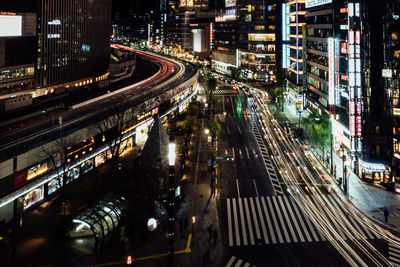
(351, 68)
(331, 74)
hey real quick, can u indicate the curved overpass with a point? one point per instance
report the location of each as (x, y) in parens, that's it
(171, 74)
(172, 79)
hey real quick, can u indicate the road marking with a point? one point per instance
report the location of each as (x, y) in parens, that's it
(308, 223)
(229, 264)
(240, 132)
(258, 234)
(271, 230)
(228, 205)
(237, 187)
(226, 152)
(236, 222)
(266, 239)
(246, 207)
(274, 220)
(247, 152)
(255, 186)
(233, 152)
(238, 263)
(244, 233)
(280, 218)
(288, 220)
(294, 220)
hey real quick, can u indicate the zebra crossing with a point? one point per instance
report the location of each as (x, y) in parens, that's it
(394, 254)
(236, 262)
(279, 220)
(225, 92)
(267, 162)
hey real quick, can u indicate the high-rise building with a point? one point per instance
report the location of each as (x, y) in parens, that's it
(293, 21)
(259, 39)
(380, 120)
(74, 43)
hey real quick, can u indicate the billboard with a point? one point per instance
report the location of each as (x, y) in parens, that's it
(10, 25)
(313, 3)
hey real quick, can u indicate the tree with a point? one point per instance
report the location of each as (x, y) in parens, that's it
(319, 129)
(211, 84)
(56, 155)
(214, 127)
(113, 128)
(278, 95)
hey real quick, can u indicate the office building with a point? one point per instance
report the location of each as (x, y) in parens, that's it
(259, 40)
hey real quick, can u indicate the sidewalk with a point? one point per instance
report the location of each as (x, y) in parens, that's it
(368, 198)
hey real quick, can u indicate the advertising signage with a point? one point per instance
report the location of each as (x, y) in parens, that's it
(10, 25)
(313, 3)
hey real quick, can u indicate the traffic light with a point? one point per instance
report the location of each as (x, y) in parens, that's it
(129, 260)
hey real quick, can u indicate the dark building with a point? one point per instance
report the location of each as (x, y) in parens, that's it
(17, 53)
(380, 160)
(74, 43)
(259, 39)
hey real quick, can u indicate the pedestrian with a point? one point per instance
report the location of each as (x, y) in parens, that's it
(210, 231)
(215, 236)
(386, 214)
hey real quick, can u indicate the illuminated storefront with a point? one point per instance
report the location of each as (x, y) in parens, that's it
(33, 197)
(54, 185)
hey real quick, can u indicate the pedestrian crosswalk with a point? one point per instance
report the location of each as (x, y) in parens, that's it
(267, 162)
(225, 92)
(394, 254)
(236, 262)
(278, 220)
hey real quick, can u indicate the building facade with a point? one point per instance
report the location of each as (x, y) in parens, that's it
(259, 39)
(73, 43)
(293, 21)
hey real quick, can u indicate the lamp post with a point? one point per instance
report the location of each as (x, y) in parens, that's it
(344, 173)
(299, 109)
(171, 203)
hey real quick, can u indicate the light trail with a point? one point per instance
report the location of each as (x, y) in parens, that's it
(336, 217)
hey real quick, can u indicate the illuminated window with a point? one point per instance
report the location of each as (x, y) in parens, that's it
(259, 27)
(377, 129)
(267, 37)
(36, 171)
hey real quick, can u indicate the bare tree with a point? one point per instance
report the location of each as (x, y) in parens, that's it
(56, 155)
(113, 130)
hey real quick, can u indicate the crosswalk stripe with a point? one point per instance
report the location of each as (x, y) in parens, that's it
(238, 263)
(310, 226)
(229, 264)
(246, 207)
(244, 233)
(280, 217)
(296, 225)
(266, 239)
(395, 250)
(288, 220)
(228, 205)
(247, 264)
(301, 221)
(271, 230)
(254, 218)
(236, 222)
(274, 220)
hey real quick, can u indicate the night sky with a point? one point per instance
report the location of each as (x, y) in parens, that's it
(140, 5)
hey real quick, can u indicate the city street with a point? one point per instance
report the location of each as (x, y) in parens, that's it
(261, 223)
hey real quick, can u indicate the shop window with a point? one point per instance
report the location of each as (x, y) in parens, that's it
(87, 166)
(54, 185)
(37, 170)
(72, 175)
(99, 159)
(33, 197)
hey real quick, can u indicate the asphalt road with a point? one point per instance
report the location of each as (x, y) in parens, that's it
(260, 223)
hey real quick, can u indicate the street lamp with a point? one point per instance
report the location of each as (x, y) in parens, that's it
(171, 203)
(207, 131)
